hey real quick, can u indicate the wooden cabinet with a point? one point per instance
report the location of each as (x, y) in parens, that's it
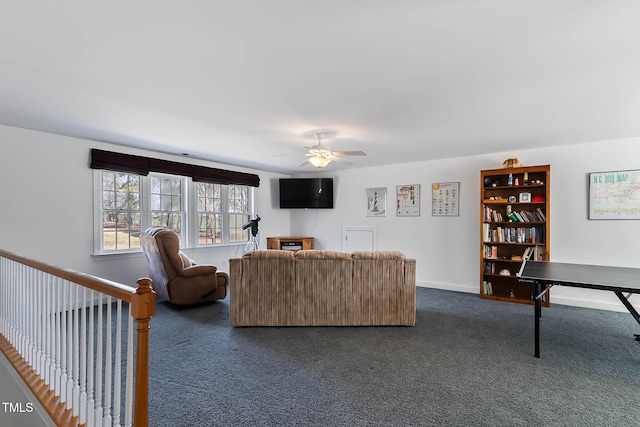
(514, 223)
(290, 243)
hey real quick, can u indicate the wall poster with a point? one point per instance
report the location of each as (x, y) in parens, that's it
(376, 203)
(445, 199)
(408, 200)
(614, 195)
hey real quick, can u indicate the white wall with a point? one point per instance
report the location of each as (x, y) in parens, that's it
(46, 196)
(447, 248)
(46, 205)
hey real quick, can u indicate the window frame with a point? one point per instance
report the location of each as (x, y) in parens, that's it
(232, 213)
(196, 216)
(225, 213)
(190, 223)
(99, 212)
(149, 212)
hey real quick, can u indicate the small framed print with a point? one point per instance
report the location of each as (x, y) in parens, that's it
(445, 198)
(376, 201)
(408, 200)
(525, 197)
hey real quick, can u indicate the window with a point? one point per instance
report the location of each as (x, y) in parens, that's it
(222, 211)
(167, 202)
(209, 213)
(120, 211)
(131, 203)
(238, 212)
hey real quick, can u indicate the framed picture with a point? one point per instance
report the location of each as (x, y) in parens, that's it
(408, 200)
(376, 201)
(445, 199)
(525, 197)
(614, 195)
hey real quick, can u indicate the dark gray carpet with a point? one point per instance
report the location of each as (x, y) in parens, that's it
(467, 362)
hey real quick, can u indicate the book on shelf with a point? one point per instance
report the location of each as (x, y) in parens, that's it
(535, 253)
(490, 268)
(492, 215)
(540, 253)
(526, 216)
(486, 232)
(513, 234)
(490, 251)
(487, 288)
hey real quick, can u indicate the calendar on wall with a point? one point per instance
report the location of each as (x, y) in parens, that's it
(445, 199)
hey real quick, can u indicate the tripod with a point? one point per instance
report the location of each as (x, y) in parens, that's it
(252, 244)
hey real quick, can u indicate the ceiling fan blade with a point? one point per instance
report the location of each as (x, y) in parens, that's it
(349, 153)
(340, 160)
(306, 162)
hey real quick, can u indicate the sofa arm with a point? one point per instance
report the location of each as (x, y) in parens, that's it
(410, 271)
(199, 270)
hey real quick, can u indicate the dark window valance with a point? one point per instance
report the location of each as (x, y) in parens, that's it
(140, 165)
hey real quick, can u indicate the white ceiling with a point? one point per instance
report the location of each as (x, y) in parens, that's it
(239, 81)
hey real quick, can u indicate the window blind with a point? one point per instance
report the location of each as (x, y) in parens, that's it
(140, 165)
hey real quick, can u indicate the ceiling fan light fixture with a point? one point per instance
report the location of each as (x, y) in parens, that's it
(319, 162)
(320, 156)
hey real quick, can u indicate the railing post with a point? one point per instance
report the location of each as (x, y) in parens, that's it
(143, 307)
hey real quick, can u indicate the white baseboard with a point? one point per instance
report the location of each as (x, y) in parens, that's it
(448, 287)
(561, 300)
(589, 303)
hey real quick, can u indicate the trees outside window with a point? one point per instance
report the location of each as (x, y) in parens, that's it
(131, 203)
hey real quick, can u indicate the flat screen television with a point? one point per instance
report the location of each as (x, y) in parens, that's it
(306, 193)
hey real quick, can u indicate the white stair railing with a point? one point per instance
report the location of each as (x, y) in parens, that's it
(71, 338)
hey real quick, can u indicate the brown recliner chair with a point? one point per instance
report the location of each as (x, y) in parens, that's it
(177, 278)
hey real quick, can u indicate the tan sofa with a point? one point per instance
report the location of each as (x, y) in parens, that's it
(322, 288)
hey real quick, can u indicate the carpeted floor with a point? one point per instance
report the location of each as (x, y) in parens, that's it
(466, 362)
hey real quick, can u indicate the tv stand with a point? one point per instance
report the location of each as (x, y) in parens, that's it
(290, 243)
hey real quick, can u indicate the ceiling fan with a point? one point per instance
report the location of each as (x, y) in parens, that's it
(321, 155)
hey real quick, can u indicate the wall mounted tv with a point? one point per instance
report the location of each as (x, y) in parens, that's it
(306, 193)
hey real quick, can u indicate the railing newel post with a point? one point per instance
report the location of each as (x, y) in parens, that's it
(143, 307)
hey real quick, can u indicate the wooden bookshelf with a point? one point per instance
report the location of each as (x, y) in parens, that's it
(514, 221)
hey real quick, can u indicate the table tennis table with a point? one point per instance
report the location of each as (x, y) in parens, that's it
(620, 280)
